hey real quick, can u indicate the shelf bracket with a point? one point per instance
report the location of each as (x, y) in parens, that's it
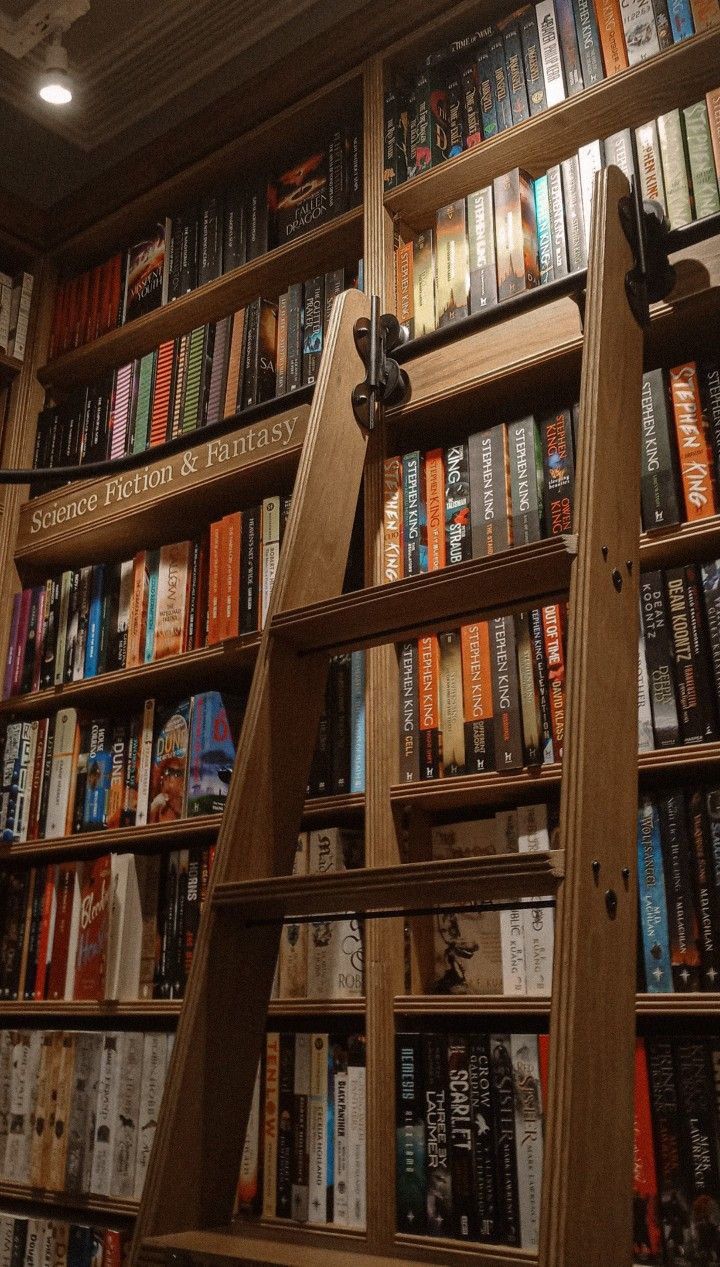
(652, 276)
(385, 383)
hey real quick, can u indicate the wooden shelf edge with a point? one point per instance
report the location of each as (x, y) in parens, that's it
(470, 1005)
(9, 366)
(687, 66)
(479, 789)
(210, 302)
(686, 1006)
(114, 1207)
(42, 1011)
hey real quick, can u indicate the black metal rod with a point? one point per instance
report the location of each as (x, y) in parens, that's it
(401, 911)
(115, 466)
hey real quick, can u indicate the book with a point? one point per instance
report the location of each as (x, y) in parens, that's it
(641, 39)
(550, 52)
(211, 753)
(169, 764)
(146, 275)
(451, 263)
(481, 248)
(518, 267)
(410, 1134)
(696, 467)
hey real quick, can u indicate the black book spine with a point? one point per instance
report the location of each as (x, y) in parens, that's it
(267, 350)
(188, 252)
(286, 1097)
(486, 1193)
(711, 597)
(706, 891)
(458, 540)
(472, 122)
(503, 106)
(462, 1169)
(340, 723)
(193, 599)
(250, 570)
(455, 123)
(663, 24)
(313, 306)
(410, 1135)
(559, 469)
(503, 1136)
(257, 222)
(569, 46)
(660, 663)
(233, 241)
(320, 768)
(409, 720)
(697, 1127)
(78, 822)
(486, 93)
(515, 72)
(210, 248)
(439, 1202)
(543, 685)
(295, 336)
(45, 788)
(52, 619)
(659, 481)
(30, 642)
(34, 932)
(506, 707)
(334, 286)
(208, 353)
(683, 922)
(19, 1241)
(72, 626)
(179, 927)
(390, 126)
(673, 1180)
(695, 721)
(176, 238)
(701, 652)
(167, 942)
(107, 659)
(534, 78)
(248, 394)
(588, 38)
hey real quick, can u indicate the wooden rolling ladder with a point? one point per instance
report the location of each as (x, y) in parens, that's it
(586, 1206)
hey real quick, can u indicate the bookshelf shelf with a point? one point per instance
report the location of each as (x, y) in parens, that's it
(677, 77)
(326, 247)
(477, 789)
(661, 1005)
(64, 1201)
(107, 518)
(685, 543)
(680, 1006)
(458, 1252)
(9, 367)
(193, 668)
(160, 1011)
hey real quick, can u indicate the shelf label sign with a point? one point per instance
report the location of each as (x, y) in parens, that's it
(88, 503)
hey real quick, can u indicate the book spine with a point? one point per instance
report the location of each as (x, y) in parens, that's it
(318, 1131)
(703, 174)
(410, 1135)
(409, 771)
(550, 52)
(525, 480)
(555, 659)
(529, 695)
(543, 685)
(659, 499)
(439, 1199)
(675, 169)
(696, 718)
(646, 736)
(481, 237)
(681, 20)
(660, 664)
(572, 66)
(557, 222)
(486, 93)
(503, 107)
(429, 707)
(649, 163)
(672, 1173)
(706, 890)
(507, 731)
(515, 70)
(683, 923)
(663, 24)
(357, 722)
(559, 472)
(503, 1136)
(574, 217)
(393, 519)
(651, 897)
(588, 38)
(477, 698)
(451, 704)
(460, 1134)
(414, 529)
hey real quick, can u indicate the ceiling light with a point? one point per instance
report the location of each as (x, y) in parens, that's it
(55, 84)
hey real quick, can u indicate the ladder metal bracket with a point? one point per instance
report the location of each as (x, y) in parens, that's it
(652, 276)
(385, 382)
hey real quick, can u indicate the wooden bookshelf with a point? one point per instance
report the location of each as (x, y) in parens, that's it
(64, 1204)
(677, 77)
(9, 367)
(154, 1011)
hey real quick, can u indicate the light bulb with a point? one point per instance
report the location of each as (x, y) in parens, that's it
(55, 85)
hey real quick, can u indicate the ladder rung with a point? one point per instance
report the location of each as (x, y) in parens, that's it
(369, 890)
(526, 576)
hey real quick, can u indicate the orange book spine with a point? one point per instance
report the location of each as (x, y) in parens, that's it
(392, 520)
(612, 39)
(161, 393)
(693, 443)
(435, 498)
(404, 284)
(45, 921)
(214, 632)
(555, 656)
(233, 531)
(477, 697)
(706, 14)
(429, 707)
(138, 612)
(235, 357)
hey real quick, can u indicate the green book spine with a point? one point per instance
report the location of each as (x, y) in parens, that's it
(144, 398)
(672, 154)
(194, 376)
(700, 155)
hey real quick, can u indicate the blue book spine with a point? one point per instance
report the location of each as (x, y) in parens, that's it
(330, 1129)
(544, 230)
(653, 906)
(357, 721)
(153, 566)
(92, 646)
(680, 20)
(99, 774)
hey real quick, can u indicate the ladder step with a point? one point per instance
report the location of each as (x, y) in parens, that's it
(526, 576)
(378, 890)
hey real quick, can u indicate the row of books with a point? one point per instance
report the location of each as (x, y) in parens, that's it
(494, 952)
(680, 444)
(521, 233)
(181, 597)
(304, 1154)
(509, 484)
(469, 1127)
(488, 80)
(261, 351)
(323, 960)
(199, 243)
(119, 926)
(15, 297)
(489, 696)
(31, 1242)
(73, 772)
(680, 656)
(679, 890)
(81, 1109)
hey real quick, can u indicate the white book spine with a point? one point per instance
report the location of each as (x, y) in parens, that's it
(550, 52)
(318, 1130)
(151, 1089)
(539, 921)
(528, 1134)
(81, 1117)
(34, 1243)
(652, 184)
(512, 925)
(641, 38)
(249, 1162)
(25, 285)
(6, 1068)
(69, 991)
(25, 1061)
(357, 1165)
(7, 1229)
(335, 949)
(145, 763)
(29, 748)
(270, 549)
(5, 298)
(590, 158)
(105, 1116)
(61, 773)
(128, 1107)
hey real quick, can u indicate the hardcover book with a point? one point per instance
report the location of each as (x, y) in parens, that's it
(91, 957)
(146, 276)
(211, 755)
(169, 764)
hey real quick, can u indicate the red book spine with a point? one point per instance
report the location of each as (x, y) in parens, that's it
(555, 655)
(22, 632)
(45, 920)
(81, 315)
(61, 939)
(161, 393)
(214, 622)
(71, 303)
(647, 1240)
(231, 557)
